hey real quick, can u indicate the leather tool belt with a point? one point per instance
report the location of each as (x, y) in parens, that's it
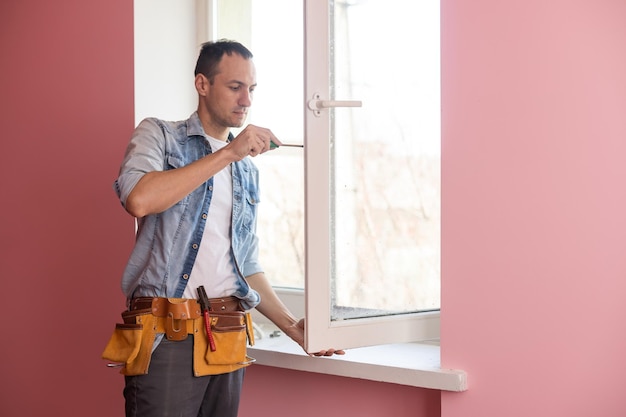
(176, 311)
(130, 347)
(217, 304)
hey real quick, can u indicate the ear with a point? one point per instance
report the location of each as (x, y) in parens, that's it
(202, 84)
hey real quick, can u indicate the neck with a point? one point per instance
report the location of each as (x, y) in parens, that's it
(213, 129)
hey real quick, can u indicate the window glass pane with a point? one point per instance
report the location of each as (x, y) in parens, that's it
(274, 34)
(385, 157)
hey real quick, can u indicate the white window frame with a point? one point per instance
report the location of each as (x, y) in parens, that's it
(321, 331)
(413, 364)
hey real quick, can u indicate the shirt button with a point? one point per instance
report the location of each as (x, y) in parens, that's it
(185, 276)
(195, 246)
(204, 216)
(210, 188)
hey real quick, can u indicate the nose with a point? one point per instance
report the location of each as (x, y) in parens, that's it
(245, 100)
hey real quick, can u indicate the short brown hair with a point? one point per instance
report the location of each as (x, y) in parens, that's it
(211, 54)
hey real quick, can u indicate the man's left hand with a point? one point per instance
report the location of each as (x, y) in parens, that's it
(296, 332)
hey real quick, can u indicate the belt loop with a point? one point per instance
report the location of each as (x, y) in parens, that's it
(175, 333)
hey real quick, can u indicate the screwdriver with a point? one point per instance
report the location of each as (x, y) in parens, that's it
(205, 305)
(274, 146)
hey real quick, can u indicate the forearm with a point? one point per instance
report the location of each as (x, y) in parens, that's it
(274, 309)
(271, 306)
(159, 190)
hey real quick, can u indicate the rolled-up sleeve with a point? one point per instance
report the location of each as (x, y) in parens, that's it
(145, 153)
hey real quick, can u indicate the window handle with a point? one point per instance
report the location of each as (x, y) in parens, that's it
(317, 105)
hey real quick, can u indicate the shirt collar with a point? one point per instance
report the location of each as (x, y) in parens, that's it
(194, 126)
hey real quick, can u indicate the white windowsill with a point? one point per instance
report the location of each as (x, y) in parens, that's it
(413, 364)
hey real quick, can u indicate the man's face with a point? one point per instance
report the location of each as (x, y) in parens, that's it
(230, 95)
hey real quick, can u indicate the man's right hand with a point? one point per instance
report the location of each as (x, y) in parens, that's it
(252, 141)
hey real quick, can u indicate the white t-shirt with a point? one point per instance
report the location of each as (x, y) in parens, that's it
(214, 267)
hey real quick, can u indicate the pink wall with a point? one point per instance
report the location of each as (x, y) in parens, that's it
(534, 203)
(66, 93)
(275, 392)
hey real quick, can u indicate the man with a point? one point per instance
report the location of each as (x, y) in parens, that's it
(194, 192)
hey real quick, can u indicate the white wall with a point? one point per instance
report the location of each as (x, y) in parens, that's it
(164, 59)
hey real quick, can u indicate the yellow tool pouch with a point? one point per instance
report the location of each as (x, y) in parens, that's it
(130, 346)
(229, 329)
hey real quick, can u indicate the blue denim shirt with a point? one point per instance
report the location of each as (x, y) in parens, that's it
(167, 243)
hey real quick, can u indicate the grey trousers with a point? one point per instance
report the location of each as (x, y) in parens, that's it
(171, 390)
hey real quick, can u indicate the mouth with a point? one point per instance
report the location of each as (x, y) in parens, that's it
(239, 117)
